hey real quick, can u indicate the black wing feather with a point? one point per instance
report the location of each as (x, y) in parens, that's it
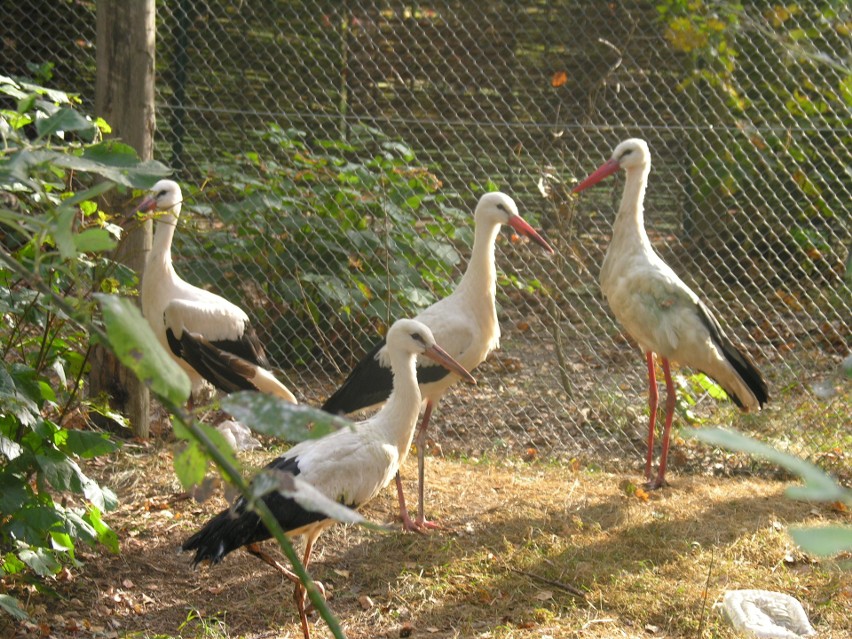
(369, 383)
(225, 370)
(745, 369)
(248, 347)
(236, 527)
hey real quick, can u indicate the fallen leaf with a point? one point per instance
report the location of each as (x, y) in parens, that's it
(544, 595)
(407, 629)
(366, 602)
(343, 573)
(559, 78)
(127, 583)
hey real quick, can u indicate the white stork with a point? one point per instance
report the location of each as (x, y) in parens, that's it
(465, 322)
(349, 466)
(661, 312)
(208, 336)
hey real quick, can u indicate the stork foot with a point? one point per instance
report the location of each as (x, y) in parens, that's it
(419, 525)
(655, 484)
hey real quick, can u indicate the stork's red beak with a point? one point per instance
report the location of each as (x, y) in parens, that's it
(605, 170)
(438, 354)
(147, 204)
(521, 226)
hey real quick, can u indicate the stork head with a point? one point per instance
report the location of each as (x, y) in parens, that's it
(411, 336)
(499, 208)
(630, 154)
(164, 196)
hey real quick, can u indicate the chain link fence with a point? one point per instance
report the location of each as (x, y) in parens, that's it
(746, 112)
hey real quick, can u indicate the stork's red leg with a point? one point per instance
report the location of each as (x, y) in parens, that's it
(660, 481)
(420, 524)
(257, 551)
(299, 592)
(407, 523)
(653, 398)
(421, 469)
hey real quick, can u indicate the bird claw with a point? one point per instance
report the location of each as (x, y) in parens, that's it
(421, 526)
(656, 484)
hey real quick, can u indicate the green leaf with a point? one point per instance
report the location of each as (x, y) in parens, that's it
(106, 535)
(111, 153)
(41, 560)
(26, 104)
(11, 564)
(191, 465)
(818, 485)
(63, 234)
(65, 119)
(136, 346)
(824, 541)
(13, 491)
(86, 444)
(81, 197)
(274, 416)
(94, 240)
(58, 470)
(138, 175)
(712, 388)
(9, 605)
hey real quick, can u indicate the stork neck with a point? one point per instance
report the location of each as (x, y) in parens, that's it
(161, 246)
(629, 226)
(399, 414)
(481, 274)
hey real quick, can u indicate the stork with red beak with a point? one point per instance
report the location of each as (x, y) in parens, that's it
(349, 466)
(465, 322)
(661, 312)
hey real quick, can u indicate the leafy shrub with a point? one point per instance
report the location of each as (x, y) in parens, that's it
(53, 235)
(340, 236)
(780, 106)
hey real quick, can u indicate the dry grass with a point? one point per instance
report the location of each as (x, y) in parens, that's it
(519, 538)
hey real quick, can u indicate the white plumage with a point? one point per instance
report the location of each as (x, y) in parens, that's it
(349, 466)
(193, 323)
(661, 312)
(464, 322)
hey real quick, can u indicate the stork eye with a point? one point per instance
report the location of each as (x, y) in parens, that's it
(502, 207)
(625, 153)
(161, 194)
(417, 337)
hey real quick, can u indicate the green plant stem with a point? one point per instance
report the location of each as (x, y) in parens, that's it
(266, 516)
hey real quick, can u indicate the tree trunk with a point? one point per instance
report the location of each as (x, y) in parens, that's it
(124, 97)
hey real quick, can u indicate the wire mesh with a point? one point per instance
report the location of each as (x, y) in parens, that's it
(746, 112)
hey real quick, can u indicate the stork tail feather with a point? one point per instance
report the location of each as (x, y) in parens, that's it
(223, 534)
(748, 373)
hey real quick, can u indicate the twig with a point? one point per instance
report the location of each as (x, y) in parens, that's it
(706, 592)
(551, 582)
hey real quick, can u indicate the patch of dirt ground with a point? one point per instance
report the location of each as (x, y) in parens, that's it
(520, 541)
